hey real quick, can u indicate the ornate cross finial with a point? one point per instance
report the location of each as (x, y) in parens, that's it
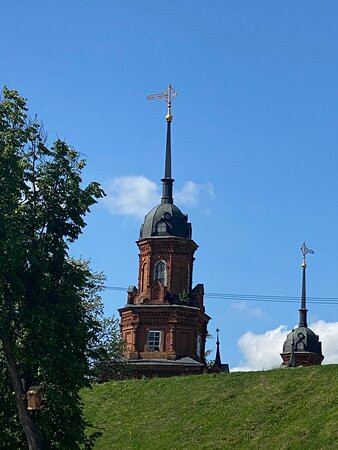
(304, 249)
(168, 96)
(167, 181)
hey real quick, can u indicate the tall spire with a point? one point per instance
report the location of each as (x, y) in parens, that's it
(218, 362)
(302, 346)
(167, 181)
(303, 310)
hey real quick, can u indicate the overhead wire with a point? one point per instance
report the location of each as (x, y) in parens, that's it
(254, 297)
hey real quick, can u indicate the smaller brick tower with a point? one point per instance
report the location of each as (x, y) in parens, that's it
(164, 324)
(302, 346)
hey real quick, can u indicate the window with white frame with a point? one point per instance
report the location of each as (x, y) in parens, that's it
(160, 272)
(161, 227)
(154, 340)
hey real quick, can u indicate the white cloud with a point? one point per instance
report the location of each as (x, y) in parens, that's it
(191, 192)
(245, 307)
(136, 195)
(328, 335)
(262, 351)
(131, 195)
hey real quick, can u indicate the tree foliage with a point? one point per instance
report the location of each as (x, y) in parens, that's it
(46, 328)
(107, 347)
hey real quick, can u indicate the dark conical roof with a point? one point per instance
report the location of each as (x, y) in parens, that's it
(218, 361)
(166, 220)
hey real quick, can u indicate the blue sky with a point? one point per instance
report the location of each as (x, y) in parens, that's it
(254, 139)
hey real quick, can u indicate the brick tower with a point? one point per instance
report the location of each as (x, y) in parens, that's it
(164, 324)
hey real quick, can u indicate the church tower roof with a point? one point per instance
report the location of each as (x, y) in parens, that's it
(218, 361)
(302, 345)
(166, 219)
(217, 365)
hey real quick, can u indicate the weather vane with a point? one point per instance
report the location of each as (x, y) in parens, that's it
(304, 249)
(168, 96)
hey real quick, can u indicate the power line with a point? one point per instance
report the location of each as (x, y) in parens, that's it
(239, 297)
(273, 298)
(115, 288)
(254, 297)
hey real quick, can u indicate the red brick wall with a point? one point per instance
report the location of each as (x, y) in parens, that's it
(181, 324)
(178, 255)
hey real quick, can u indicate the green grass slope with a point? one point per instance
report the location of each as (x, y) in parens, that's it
(277, 409)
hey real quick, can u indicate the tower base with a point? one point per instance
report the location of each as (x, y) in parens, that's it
(165, 367)
(301, 359)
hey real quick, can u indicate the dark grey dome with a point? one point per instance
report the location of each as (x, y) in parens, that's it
(304, 339)
(166, 220)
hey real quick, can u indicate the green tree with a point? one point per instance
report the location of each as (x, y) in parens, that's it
(46, 330)
(106, 346)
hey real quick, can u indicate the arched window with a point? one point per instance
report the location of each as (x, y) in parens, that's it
(188, 277)
(144, 277)
(160, 272)
(199, 345)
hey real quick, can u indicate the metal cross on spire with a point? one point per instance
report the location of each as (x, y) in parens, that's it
(168, 95)
(304, 249)
(167, 181)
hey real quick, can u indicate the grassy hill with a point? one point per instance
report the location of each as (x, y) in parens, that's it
(277, 409)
